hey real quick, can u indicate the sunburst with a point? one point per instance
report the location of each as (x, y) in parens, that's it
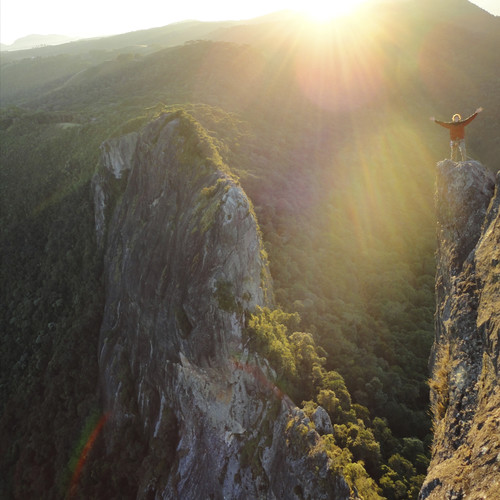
(324, 11)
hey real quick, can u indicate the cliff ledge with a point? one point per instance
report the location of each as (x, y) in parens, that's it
(465, 396)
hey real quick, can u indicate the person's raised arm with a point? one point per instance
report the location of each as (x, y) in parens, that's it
(471, 117)
(443, 124)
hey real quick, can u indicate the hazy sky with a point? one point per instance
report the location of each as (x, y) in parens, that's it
(89, 18)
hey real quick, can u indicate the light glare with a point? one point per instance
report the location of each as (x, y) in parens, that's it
(323, 12)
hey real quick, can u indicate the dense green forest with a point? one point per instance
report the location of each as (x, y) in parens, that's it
(341, 177)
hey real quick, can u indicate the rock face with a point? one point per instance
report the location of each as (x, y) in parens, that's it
(465, 396)
(183, 265)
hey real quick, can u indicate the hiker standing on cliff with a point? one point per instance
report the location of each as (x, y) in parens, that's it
(457, 133)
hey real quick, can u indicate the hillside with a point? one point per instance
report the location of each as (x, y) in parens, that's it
(175, 374)
(327, 133)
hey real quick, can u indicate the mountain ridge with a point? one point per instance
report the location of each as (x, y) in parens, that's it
(185, 296)
(36, 41)
(179, 32)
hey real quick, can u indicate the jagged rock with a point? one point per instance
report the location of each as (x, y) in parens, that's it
(465, 396)
(183, 264)
(463, 192)
(118, 153)
(117, 159)
(322, 421)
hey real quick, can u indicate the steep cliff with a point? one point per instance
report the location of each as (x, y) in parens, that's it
(465, 396)
(184, 264)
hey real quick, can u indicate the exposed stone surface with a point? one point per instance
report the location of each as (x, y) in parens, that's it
(118, 153)
(464, 385)
(183, 263)
(322, 421)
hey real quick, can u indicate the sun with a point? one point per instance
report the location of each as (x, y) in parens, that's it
(324, 11)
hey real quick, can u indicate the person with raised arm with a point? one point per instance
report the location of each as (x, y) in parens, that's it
(457, 133)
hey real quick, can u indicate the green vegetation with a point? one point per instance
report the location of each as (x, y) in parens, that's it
(349, 327)
(225, 296)
(361, 448)
(51, 300)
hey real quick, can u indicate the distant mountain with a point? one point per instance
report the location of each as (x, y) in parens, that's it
(142, 41)
(37, 41)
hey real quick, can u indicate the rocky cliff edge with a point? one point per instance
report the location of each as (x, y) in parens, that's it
(183, 265)
(465, 396)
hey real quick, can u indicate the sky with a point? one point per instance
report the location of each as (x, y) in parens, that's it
(92, 18)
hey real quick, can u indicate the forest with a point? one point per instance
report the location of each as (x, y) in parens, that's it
(340, 170)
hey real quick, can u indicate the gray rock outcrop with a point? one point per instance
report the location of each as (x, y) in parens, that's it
(322, 421)
(465, 395)
(183, 266)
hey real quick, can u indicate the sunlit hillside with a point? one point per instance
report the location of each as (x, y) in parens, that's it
(326, 126)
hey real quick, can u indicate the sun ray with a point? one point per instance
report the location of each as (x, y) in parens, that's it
(323, 12)
(341, 69)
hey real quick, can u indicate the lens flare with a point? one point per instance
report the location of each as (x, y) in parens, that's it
(73, 488)
(341, 69)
